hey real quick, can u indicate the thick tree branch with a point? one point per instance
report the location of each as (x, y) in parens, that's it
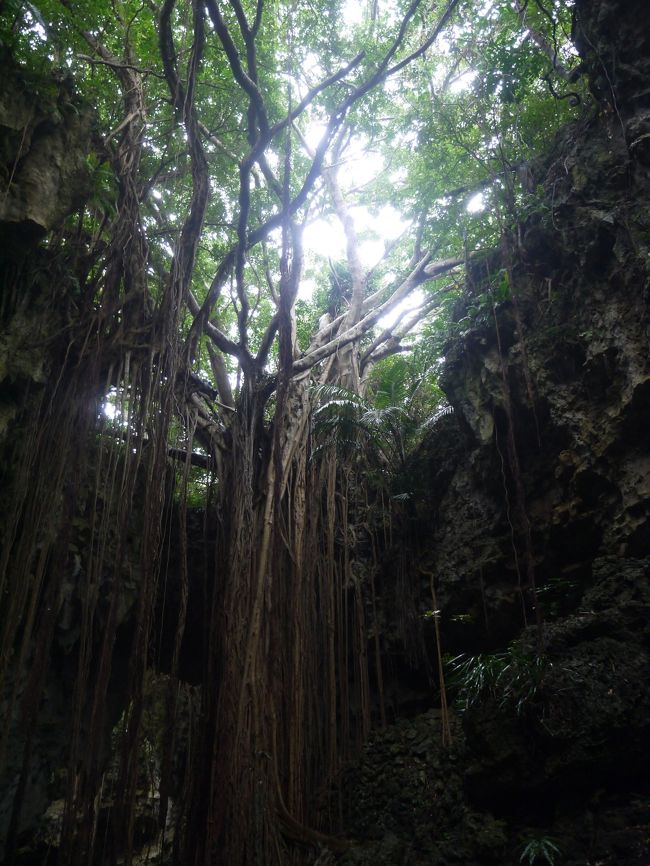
(185, 251)
(220, 376)
(359, 277)
(267, 341)
(116, 64)
(424, 270)
(203, 461)
(246, 238)
(168, 54)
(424, 47)
(212, 138)
(241, 249)
(242, 78)
(389, 342)
(221, 341)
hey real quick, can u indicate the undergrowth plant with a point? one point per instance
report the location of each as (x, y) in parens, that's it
(512, 678)
(541, 849)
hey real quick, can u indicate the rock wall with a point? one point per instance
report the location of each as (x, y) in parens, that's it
(44, 144)
(45, 139)
(551, 386)
(534, 516)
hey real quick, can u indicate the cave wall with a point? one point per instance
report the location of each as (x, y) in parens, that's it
(46, 135)
(46, 138)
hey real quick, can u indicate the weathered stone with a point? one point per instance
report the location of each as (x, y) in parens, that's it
(45, 135)
(544, 470)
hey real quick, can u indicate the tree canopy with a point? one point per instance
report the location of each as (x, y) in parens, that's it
(225, 130)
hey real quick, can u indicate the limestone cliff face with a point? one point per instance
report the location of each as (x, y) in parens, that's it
(534, 516)
(535, 496)
(45, 138)
(44, 142)
(551, 388)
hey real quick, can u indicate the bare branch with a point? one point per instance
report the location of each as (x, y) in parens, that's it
(419, 314)
(220, 376)
(392, 336)
(357, 272)
(385, 335)
(267, 341)
(393, 346)
(168, 53)
(221, 341)
(258, 18)
(241, 248)
(309, 97)
(442, 23)
(241, 19)
(212, 138)
(185, 252)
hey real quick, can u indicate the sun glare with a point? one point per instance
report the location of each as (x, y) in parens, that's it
(463, 82)
(353, 13)
(412, 302)
(325, 236)
(476, 204)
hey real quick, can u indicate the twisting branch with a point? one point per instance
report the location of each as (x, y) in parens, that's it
(220, 340)
(257, 117)
(290, 268)
(116, 64)
(251, 62)
(168, 53)
(212, 138)
(242, 247)
(389, 342)
(127, 253)
(551, 51)
(185, 252)
(221, 377)
(248, 84)
(246, 237)
(246, 240)
(359, 277)
(424, 47)
(423, 271)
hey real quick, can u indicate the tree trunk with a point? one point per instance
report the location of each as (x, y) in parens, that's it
(255, 709)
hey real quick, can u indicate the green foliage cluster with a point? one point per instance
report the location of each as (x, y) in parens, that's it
(477, 105)
(512, 679)
(351, 424)
(541, 849)
(478, 109)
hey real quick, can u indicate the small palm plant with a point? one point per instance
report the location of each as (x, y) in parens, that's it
(541, 849)
(513, 678)
(348, 421)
